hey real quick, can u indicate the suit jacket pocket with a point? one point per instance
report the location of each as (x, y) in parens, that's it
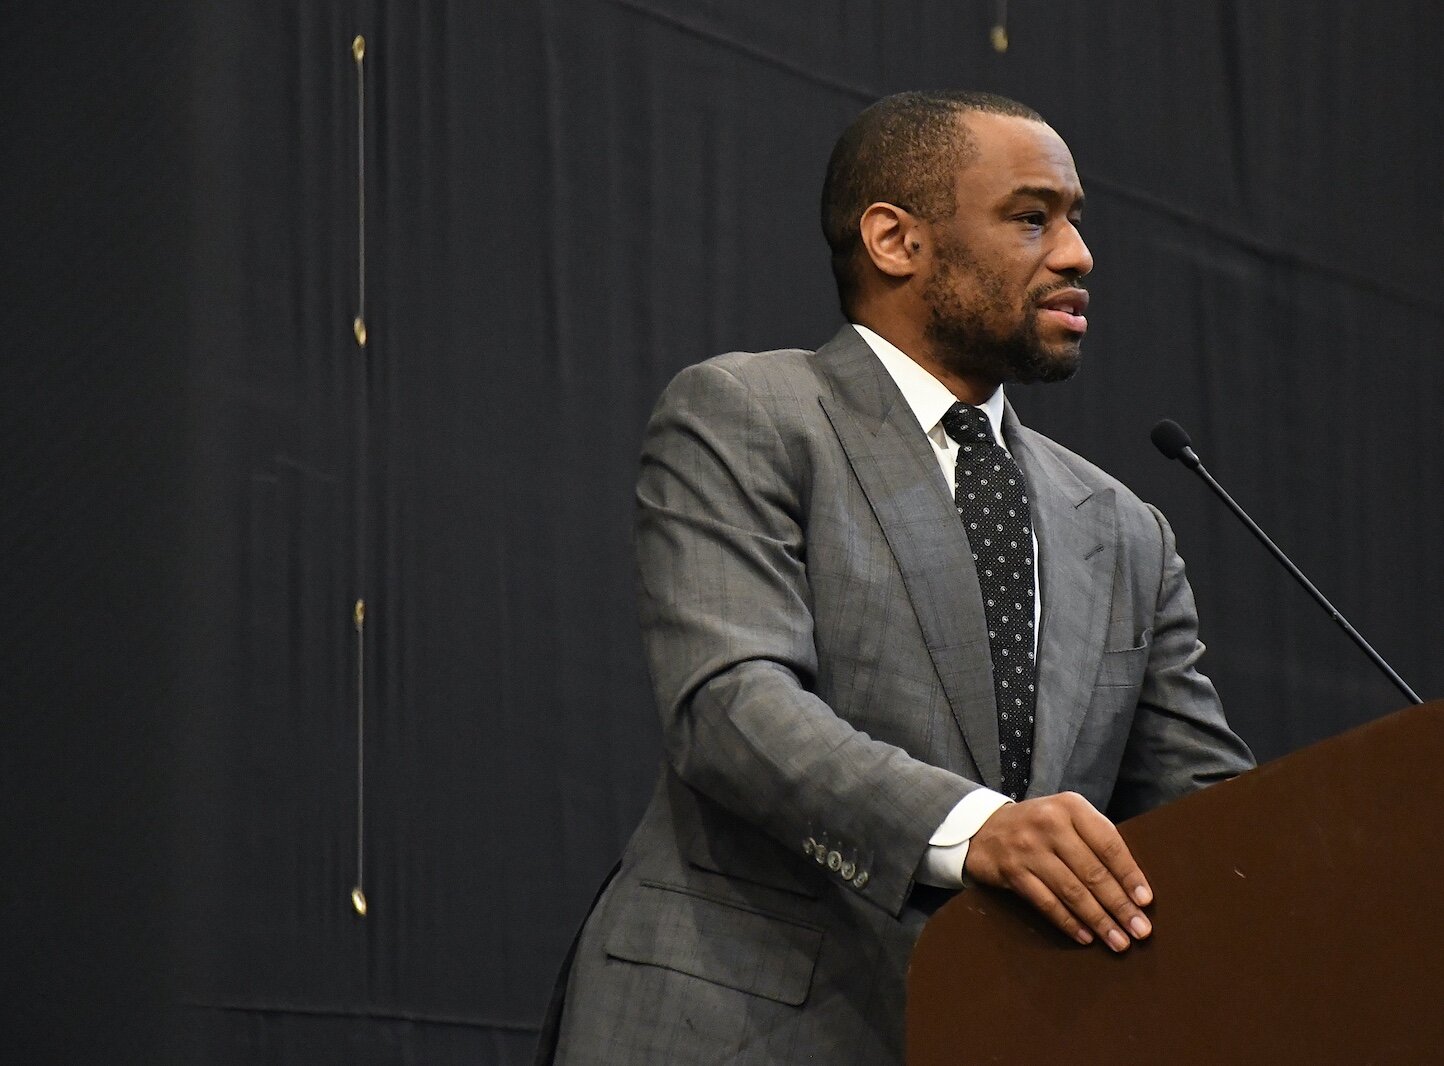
(753, 951)
(1125, 668)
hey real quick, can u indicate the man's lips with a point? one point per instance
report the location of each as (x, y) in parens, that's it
(1066, 306)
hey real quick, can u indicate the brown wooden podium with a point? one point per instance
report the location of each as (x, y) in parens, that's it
(1299, 918)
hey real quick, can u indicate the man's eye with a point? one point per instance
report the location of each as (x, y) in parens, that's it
(1034, 218)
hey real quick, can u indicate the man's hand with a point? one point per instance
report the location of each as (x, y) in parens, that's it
(1066, 859)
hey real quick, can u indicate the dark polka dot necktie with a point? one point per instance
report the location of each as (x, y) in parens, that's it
(992, 501)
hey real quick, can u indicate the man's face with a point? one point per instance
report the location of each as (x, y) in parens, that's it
(1003, 293)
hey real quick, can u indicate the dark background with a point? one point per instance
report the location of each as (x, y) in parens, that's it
(567, 202)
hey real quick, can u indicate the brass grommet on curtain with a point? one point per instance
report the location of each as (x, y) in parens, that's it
(999, 34)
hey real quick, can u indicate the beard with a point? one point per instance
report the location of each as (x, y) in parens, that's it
(966, 342)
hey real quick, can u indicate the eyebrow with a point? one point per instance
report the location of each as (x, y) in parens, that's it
(1046, 193)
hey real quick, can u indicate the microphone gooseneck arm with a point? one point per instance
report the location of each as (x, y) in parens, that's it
(1174, 443)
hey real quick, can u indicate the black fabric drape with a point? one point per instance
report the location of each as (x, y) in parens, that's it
(567, 202)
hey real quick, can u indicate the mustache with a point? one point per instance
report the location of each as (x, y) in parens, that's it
(1041, 293)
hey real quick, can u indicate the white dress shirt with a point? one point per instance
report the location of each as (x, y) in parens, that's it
(930, 399)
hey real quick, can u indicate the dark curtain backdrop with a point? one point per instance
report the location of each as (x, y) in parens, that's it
(565, 203)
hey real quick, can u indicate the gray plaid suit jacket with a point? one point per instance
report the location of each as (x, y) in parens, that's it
(820, 659)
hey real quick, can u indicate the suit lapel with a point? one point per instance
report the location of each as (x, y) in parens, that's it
(1076, 527)
(894, 464)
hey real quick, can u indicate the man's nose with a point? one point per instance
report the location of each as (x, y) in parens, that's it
(1071, 254)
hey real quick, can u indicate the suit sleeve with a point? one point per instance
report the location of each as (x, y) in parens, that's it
(728, 629)
(1180, 740)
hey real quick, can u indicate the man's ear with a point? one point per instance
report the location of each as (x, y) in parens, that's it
(895, 239)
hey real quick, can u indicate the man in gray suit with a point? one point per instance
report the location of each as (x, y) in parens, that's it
(869, 693)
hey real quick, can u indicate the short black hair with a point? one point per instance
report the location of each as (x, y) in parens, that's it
(906, 150)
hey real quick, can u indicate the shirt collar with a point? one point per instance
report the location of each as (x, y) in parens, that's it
(928, 397)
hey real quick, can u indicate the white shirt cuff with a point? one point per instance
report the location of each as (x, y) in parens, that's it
(942, 863)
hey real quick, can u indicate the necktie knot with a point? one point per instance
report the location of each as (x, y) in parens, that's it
(967, 425)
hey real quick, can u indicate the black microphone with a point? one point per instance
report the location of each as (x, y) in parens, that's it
(1171, 439)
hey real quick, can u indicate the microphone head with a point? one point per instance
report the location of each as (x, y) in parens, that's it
(1170, 438)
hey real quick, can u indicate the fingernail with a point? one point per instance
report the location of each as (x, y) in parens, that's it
(1084, 936)
(1140, 926)
(1116, 940)
(1144, 895)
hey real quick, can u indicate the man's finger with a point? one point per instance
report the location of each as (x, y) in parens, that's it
(1100, 882)
(1102, 837)
(1050, 906)
(1080, 900)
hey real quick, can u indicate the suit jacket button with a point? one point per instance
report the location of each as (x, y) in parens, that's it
(834, 860)
(820, 853)
(860, 880)
(848, 869)
(808, 845)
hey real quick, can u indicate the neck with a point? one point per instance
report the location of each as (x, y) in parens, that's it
(904, 333)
